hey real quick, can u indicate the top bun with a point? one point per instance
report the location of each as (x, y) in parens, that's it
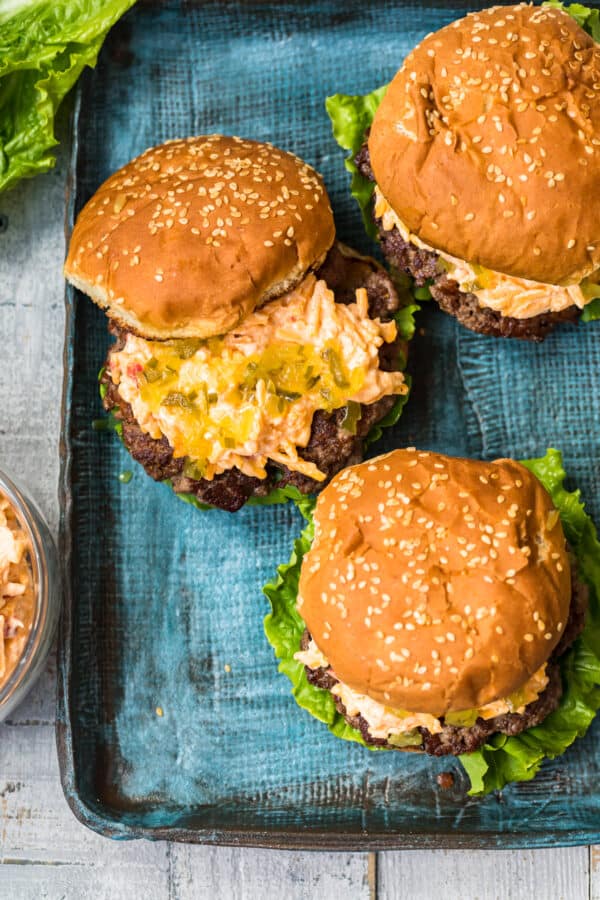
(487, 143)
(435, 584)
(190, 237)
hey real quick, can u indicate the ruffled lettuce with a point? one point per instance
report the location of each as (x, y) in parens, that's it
(284, 628)
(586, 18)
(350, 116)
(591, 312)
(504, 759)
(44, 47)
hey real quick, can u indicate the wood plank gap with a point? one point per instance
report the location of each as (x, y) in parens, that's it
(594, 872)
(372, 876)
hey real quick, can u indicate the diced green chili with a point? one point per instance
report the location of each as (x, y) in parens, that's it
(290, 396)
(335, 364)
(193, 468)
(176, 398)
(187, 347)
(352, 416)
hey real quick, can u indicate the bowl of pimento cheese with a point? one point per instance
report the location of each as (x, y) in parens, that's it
(29, 593)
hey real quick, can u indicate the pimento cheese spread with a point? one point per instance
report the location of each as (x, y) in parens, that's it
(17, 593)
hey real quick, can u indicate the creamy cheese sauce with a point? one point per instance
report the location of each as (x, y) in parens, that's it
(385, 722)
(250, 396)
(17, 594)
(518, 298)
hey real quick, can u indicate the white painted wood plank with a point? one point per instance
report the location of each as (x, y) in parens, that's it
(232, 874)
(44, 851)
(557, 874)
(595, 873)
(32, 320)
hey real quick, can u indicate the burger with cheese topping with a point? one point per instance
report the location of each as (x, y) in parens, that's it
(485, 153)
(254, 353)
(432, 601)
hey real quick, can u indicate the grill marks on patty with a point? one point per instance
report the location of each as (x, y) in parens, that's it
(330, 447)
(424, 268)
(455, 739)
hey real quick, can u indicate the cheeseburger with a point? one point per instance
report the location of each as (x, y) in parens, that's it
(485, 153)
(436, 597)
(253, 352)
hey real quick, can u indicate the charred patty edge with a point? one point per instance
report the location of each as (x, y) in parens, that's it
(330, 447)
(424, 267)
(454, 739)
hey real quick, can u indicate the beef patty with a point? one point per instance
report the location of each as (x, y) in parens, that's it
(331, 447)
(456, 739)
(424, 267)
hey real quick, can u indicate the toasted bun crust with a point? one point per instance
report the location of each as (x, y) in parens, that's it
(435, 584)
(191, 236)
(487, 143)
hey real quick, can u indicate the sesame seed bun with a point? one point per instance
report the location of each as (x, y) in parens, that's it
(487, 143)
(190, 237)
(435, 584)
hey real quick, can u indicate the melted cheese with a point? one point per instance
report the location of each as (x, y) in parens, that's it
(250, 397)
(385, 722)
(515, 297)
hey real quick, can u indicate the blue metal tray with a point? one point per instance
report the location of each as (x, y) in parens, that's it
(163, 600)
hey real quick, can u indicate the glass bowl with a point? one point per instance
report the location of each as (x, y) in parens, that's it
(47, 591)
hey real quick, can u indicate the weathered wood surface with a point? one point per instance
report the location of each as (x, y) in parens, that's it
(44, 851)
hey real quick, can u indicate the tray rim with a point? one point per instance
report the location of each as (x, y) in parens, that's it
(105, 823)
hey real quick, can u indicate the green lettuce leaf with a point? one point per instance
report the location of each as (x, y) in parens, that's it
(284, 628)
(44, 47)
(504, 759)
(405, 323)
(586, 18)
(392, 417)
(350, 117)
(591, 312)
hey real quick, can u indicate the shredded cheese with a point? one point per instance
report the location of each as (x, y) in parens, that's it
(385, 722)
(17, 601)
(250, 396)
(518, 298)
